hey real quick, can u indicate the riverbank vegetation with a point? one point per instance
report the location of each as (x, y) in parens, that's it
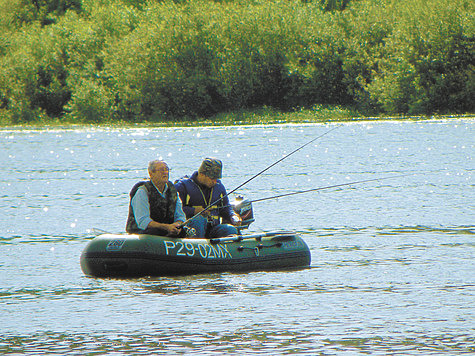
(96, 61)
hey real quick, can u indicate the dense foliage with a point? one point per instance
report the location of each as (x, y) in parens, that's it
(139, 60)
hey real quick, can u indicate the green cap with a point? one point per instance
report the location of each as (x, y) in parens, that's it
(211, 167)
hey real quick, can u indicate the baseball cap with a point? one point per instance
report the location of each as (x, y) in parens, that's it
(211, 167)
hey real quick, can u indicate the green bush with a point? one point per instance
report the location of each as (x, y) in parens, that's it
(426, 65)
(256, 41)
(137, 60)
(86, 42)
(17, 13)
(35, 76)
(365, 28)
(163, 68)
(331, 5)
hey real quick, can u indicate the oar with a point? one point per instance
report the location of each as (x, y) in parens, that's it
(258, 174)
(96, 231)
(236, 238)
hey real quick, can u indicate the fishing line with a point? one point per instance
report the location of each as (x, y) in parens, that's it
(258, 174)
(328, 187)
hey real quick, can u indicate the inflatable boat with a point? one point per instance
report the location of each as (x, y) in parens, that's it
(120, 255)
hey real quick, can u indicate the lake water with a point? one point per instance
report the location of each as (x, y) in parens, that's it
(392, 261)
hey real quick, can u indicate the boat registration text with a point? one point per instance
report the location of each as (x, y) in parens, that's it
(179, 248)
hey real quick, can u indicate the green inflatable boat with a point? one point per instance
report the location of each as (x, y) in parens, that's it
(117, 255)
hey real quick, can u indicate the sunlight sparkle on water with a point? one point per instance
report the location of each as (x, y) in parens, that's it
(138, 133)
(375, 283)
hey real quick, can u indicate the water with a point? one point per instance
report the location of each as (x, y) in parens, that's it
(392, 261)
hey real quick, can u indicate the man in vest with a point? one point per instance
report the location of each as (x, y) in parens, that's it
(198, 192)
(155, 207)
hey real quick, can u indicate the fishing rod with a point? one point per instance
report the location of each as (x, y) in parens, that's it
(278, 161)
(328, 187)
(258, 174)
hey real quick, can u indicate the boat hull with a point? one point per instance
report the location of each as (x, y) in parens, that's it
(115, 255)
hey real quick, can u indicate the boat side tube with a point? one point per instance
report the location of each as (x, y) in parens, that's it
(116, 255)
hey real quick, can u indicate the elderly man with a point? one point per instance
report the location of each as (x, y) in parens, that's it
(199, 192)
(155, 207)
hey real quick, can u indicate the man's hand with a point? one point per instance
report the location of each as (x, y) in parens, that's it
(199, 209)
(236, 220)
(171, 229)
(174, 229)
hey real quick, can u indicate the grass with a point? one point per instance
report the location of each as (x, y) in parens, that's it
(259, 116)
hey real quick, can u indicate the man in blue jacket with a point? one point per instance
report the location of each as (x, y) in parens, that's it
(198, 192)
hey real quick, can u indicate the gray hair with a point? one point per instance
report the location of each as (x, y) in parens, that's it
(154, 163)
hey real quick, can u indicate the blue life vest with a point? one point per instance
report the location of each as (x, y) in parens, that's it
(193, 195)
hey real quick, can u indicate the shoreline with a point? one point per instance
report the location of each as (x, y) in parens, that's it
(267, 120)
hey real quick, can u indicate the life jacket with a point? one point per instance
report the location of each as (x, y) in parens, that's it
(161, 209)
(192, 196)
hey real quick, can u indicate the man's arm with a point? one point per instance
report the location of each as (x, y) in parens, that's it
(141, 208)
(228, 213)
(188, 210)
(179, 213)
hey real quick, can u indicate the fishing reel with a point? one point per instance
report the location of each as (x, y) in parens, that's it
(189, 231)
(243, 208)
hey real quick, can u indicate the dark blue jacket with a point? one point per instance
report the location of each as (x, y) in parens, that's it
(193, 194)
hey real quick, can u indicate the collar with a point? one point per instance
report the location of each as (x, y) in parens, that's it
(158, 190)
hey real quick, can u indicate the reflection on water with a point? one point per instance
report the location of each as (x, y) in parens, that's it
(165, 287)
(392, 261)
(256, 339)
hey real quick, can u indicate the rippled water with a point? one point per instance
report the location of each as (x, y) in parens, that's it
(392, 261)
